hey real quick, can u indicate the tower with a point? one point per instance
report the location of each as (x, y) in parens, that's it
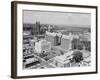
(38, 27)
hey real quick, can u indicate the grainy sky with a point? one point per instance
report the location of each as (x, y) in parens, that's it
(57, 18)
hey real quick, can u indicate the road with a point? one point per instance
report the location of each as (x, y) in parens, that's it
(44, 62)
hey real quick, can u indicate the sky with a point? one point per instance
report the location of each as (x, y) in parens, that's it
(57, 18)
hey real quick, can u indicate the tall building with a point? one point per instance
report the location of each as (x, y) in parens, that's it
(54, 38)
(65, 42)
(50, 37)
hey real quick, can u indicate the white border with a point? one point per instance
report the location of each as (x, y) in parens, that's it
(21, 72)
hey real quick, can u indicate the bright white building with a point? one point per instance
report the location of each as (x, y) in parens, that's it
(63, 60)
(42, 45)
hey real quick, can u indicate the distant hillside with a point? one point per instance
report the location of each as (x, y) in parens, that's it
(73, 28)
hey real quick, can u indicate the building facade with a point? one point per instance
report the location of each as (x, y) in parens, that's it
(42, 45)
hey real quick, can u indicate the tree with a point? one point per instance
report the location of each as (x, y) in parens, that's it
(77, 56)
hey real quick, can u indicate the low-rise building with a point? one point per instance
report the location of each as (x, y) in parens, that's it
(63, 60)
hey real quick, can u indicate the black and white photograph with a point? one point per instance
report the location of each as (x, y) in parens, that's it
(56, 39)
(53, 39)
